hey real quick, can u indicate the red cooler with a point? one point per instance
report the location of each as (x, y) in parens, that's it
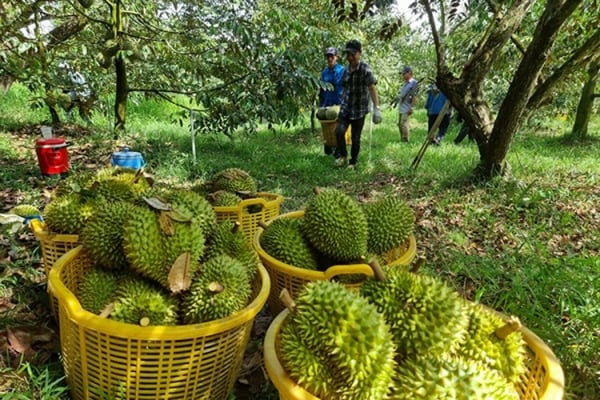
(52, 155)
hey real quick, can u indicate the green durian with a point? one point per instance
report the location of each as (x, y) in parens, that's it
(336, 345)
(188, 202)
(102, 237)
(283, 240)
(391, 221)
(234, 180)
(336, 226)
(426, 315)
(223, 198)
(25, 210)
(143, 303)
(449, 378)
(483, 344)
(68, 213)
(218, 291)
(97, 289)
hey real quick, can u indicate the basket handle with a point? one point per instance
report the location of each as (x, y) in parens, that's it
(336, 270)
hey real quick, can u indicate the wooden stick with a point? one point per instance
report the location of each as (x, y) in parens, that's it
(429, 137)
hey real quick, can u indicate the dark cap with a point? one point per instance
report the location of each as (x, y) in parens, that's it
(406, 70)
(353, 46)
(331, 51)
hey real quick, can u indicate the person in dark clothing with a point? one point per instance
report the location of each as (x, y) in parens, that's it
(464, 130)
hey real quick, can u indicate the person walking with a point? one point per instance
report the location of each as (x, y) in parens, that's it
(406, 101)
(359, 86)
(464, 130)
(434, 104)
(331, 90)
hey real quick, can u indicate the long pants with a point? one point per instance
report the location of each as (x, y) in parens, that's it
(404, 126)
(340, 137)
(443, 125)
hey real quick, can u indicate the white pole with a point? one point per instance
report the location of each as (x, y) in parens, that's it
(193, 132)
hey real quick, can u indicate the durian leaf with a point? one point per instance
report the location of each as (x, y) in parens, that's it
(179, 215)
(157, 203)
(166, 223)
(180, 277)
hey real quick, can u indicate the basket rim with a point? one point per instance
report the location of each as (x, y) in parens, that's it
(553, 389)
(75, 311)
(41, 232)
(263, 198)
(332, 271)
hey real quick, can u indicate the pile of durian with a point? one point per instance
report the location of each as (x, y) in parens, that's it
(336, 229)
(401, 336)
(228, 187)
(159, 256)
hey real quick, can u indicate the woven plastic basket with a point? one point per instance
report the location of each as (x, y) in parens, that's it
(249, 212)
(328, 129)
(543, 380)
(53, 246)
(294, 278)
(102, 357)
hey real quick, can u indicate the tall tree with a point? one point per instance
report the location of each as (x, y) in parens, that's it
(586, 101)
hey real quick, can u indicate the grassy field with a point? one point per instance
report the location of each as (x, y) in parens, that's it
(527, 244)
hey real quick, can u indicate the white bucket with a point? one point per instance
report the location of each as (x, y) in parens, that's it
(46, 132)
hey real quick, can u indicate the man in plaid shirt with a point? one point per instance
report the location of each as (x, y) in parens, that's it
(359, 86)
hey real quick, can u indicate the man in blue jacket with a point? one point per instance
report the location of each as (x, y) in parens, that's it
(331, 90)
(434, 105)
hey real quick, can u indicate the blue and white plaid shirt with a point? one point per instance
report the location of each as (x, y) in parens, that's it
(355, 100)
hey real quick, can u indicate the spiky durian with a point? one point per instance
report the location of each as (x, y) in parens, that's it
(283, 240)
(25, 210)
(336, 345)
(143, 245)
(102, 237)
(485, 343)
(142, 302)
(234, 180)
(227, 238)
(336, 226)
(97, 289)
(391, 221)
(186, 201)
(76, 183)
(223, 198)
(426, 315)
(451, 378)
(219, 290)
(68, 214)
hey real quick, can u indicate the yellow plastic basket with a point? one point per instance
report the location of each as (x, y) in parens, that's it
(104, 357)
(294, 278)
(53, 246)
(250, 212)
(328, 129)
(543, 380)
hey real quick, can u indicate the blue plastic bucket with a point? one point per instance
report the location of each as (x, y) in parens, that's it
(127, 159)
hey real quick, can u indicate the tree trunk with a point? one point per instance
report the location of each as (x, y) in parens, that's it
(121, 95)
(586, 102)
(493, 159)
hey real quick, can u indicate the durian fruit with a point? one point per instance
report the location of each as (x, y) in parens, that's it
(391, 221)
(234, 180)
(75, 183)
(227, 238)
(143, 303)
(102, 237)
(283, 240)
(25, 210)
(97, 289)
(449, 378)
(114, 190)
(426, 315)
(68, 214)
(336, 226)
(219, 290)
(188, 202)
(494, 342)
(143, 245)
(223, 198)
(336, 345)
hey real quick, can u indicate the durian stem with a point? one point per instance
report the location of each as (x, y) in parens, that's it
(417, 264)
(316, 190)
(377, 270)
(105, 313)
(236, 227)
(287, 300)
(262, 224)
(215, 287)
(512, 325)
(144, 321)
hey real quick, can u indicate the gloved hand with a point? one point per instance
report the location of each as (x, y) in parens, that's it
(377, 116)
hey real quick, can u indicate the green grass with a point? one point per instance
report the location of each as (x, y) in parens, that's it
(527, 244)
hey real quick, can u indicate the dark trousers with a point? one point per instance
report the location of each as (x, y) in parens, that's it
(443, 125)
(340, 137)
(464, 132)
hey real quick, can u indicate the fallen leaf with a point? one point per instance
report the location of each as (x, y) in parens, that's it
(180, 277)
